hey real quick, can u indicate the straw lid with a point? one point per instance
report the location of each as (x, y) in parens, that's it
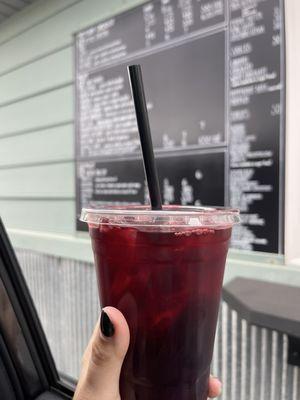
(174, 216)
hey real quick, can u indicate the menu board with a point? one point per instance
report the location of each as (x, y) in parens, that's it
(215, 88)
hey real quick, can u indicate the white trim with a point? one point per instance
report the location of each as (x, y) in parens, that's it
(281, 135)
(292, 173)
(66, 246)
(295, 262)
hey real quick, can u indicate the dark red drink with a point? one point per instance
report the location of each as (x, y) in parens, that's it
(166, 278)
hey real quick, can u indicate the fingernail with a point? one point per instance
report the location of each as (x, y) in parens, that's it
(106, 325)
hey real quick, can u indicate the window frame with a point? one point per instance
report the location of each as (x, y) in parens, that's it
(23, 306)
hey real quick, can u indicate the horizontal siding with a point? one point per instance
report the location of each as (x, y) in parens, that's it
(56, 32)
(37, 182)
(54, 107)
(31, 16)
(42, 146)
(56, 216)
(44, 181)
(48, 73)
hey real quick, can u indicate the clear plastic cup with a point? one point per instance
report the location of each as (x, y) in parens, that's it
(164, 271)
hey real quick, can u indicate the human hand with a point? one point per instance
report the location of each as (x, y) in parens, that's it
(103, 358)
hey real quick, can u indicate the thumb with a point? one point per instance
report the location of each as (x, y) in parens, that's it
(103, 358)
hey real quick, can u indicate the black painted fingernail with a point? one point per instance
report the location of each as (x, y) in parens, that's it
(106, 326)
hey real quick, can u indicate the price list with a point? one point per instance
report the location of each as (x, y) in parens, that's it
(214, 81)
(255, 117)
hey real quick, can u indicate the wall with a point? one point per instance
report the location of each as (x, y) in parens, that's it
(37, 193)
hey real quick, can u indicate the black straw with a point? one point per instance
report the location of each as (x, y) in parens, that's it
(137, 88)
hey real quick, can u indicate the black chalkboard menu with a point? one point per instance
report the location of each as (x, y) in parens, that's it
(215, 87)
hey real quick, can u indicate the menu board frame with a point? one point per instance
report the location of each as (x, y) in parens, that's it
(226, 142)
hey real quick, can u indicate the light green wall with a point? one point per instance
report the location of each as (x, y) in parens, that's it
(37, 191)
(37, 183)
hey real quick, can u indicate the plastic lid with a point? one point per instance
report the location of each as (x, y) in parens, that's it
(171, 216)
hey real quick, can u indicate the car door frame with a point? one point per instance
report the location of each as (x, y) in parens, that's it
(28, 329)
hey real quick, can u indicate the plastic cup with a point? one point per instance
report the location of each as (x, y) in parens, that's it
(164, 271)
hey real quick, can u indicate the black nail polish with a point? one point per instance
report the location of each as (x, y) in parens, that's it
(106, 326)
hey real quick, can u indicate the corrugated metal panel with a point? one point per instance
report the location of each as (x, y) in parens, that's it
(66, 298)
(251, 361)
